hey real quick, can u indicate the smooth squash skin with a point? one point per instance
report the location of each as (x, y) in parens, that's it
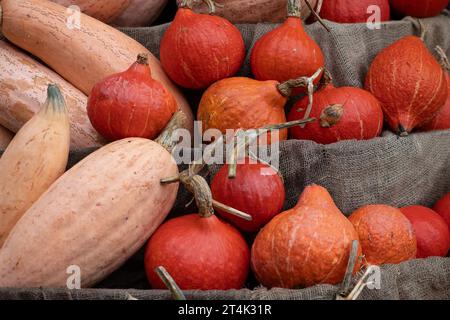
(103, 10)
(5, 137)
(140, 13)
(82, 56)
(252, 11)
(23, 90)
(34, 159)
(97, 215)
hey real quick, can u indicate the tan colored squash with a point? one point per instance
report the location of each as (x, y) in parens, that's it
(23, 90)
(140, 13)
(34, 159)
(82, 56)
(5, 137)
(95, 216)
(252, 11)
(103, 10)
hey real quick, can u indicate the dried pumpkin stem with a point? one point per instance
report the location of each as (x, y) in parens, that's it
(189, 4)
(293, 8)
(253, 134)
(443, 59)
(345, 290)
(170, 283)
(166, 137)
(286, 87)
(327, 79)
(142, 58)
(316, 15)
(198, 186)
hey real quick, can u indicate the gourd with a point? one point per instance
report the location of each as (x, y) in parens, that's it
(432, 233)
(200, 49)
(140, 13)
(287, 52)
(307, 245)
(385, 234)
(23, 90)
(343, 114)
(34, 159)
(5, 137)
(409, 83)
(103, 10)
(350, 11)
(82, 56)
(419, 8)
(252, 11)
(131, 104)
(442, 206)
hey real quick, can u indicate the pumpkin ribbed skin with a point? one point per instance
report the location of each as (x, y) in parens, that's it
(419, 8)
(304, 246)
(199, 253)
(97, 215)
(252, 11)
(140, 13)
(349, 11)
(103, 10)
(286, 52)
(5, 137)
(34, 159)
(442, 119)
(242, 103)
(198, 49)
(82, 56)
(443, 208)
(362, 116)
(386, 235)
(257, 190)
(432, 233)
(409, 83)
(23, 90)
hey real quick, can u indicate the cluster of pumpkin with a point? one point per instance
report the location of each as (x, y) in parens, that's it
(54, 218)
(303, 246)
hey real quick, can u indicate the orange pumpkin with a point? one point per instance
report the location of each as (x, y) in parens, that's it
(244, 103)
(304, 246)
(386, 235)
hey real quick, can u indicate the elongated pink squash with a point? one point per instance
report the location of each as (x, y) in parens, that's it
(34, 159)
(97, 215)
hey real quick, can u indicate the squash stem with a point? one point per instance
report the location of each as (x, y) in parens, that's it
(170, 283)
(142, 58)
(198, 186)
(316, 15)
(55, 101)
(189, 4)
(287, 87)
(294, 8)
(165, 139)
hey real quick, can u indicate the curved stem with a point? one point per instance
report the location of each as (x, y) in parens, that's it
(198, 186)
(165, 138)
(316, 15)
(443, 59)
(170, 283)
(286, 87)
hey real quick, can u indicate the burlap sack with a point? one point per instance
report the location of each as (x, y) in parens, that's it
(392, 170)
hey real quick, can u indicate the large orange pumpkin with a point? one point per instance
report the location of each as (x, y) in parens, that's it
(304, 246)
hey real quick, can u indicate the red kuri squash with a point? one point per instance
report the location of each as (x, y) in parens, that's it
(257, 190)
(409, 83)
(287, 52)
(304, 246)
(350, 11)
(343, 113)
(419, 8)
(200, 49)
(443, 208)
(131, 104)
(432, 233)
